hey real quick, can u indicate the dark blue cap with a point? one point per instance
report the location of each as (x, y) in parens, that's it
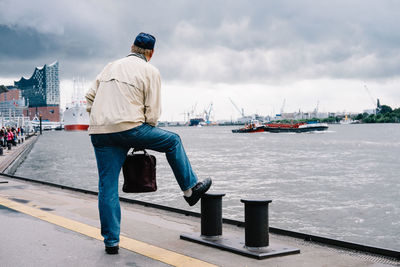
(145, 41)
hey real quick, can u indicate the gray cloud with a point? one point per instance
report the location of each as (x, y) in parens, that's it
(216, 41)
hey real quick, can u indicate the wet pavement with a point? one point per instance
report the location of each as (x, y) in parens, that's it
(28, 241)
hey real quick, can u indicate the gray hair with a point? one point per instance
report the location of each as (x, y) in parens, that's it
(139, 50)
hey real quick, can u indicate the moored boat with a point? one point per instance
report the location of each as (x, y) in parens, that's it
(76, 118)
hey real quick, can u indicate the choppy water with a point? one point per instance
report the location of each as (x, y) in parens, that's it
(343, 183)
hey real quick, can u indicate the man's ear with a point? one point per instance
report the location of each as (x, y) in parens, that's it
(151, 55)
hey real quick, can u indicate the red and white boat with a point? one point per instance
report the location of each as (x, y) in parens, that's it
(76, 118)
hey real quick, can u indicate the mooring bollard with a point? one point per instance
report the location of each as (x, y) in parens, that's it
(256, 223)
(211, 215)
(256, 230)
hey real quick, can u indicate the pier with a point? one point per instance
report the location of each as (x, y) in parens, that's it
(44, 224)
(14, 155)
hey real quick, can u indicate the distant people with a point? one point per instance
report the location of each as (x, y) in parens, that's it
(2, 136)
(5, 137)
(15, 136)
(10, 136)
(124, 105)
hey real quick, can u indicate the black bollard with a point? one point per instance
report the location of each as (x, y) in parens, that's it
(211, 215)
(256, 230)
(256, 223)
(1, 150)
(9, 145)
(40, 123)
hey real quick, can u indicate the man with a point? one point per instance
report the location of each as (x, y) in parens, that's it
(124, 105)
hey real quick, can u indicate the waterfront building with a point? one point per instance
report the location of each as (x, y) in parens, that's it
(12, 104)
(300, 115)
(12, 107)
(42, 92)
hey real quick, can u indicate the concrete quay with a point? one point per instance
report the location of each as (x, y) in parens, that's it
(42, 225)
(11, 159)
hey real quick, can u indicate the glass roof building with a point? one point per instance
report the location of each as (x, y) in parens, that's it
(43, 88)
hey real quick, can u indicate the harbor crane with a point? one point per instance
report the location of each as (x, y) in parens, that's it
(240, 111)
(207, 113)
(193, 109)
(377, 104)
(283, 105)
(316, 109)
(189, 114)
(370, 95)
(186, 116)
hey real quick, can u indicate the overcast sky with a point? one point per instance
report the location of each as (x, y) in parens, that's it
(257, 53)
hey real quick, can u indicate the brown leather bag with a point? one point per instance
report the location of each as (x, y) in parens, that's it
(139, 173)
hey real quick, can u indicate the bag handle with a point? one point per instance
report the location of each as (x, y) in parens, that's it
(139, 149)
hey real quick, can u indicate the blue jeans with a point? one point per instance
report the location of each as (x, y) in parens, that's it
(111, 150)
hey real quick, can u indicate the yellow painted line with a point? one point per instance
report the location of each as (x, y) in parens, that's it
(156, 253)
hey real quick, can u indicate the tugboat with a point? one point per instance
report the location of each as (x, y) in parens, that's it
(253, 127)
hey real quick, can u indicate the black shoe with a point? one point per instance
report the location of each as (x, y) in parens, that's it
(198, 191)
(112, 250)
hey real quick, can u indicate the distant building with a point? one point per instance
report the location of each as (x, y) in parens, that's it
(42, 92)
(12, 104)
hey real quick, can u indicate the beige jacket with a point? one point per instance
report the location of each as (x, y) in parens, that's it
(124, 95)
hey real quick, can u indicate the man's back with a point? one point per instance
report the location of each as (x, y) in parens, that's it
(132, 70)
(127, 94)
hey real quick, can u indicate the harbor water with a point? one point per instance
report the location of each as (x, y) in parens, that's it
(342, 183)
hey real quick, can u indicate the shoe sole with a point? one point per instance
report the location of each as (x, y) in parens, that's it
(200, 195)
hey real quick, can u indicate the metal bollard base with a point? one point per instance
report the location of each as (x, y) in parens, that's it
(236, 245)
(211, 238)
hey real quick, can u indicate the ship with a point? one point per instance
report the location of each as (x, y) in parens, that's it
(196, 121)
(256, 127)
(295, 127)
(76, 118)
